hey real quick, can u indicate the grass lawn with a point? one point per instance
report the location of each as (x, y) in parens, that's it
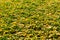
(29, 19)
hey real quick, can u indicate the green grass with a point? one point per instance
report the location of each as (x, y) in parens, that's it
(29, 20)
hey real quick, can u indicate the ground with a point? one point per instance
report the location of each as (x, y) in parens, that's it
(29, 19)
